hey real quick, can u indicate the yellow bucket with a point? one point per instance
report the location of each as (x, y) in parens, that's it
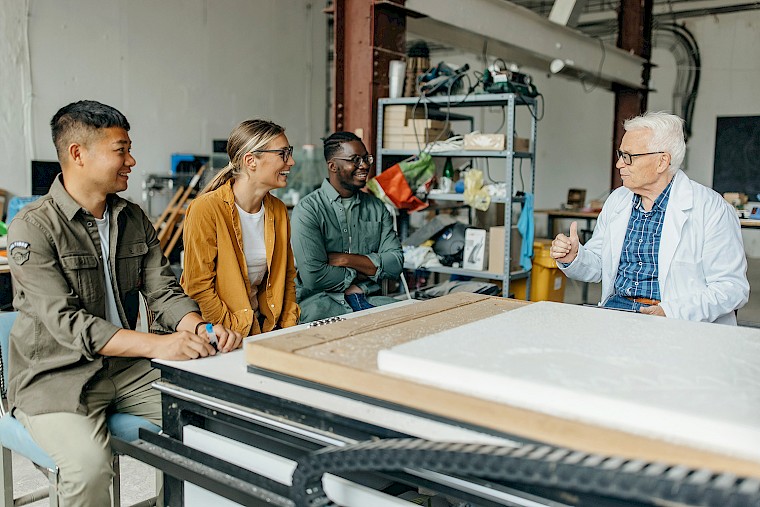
(547, 281)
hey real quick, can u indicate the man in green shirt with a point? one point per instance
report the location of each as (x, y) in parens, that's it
(80, 256)
(343, 239)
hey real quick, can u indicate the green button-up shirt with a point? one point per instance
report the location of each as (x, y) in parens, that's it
(59, 284)
(321, 224)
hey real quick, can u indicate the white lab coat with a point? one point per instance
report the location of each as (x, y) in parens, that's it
(702, 266)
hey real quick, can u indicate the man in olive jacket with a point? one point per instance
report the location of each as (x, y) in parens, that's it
(79, 257)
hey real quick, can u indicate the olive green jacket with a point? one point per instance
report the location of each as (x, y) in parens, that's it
(55, 259)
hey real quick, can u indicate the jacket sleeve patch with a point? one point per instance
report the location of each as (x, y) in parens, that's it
(18, 251)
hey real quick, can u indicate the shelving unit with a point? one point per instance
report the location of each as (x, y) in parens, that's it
(439, 107)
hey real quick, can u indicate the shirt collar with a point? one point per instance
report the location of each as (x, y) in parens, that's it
(662, 200)
(70, 207)
(660, 203)
(329, 190)
(225, 191)
(62, 199)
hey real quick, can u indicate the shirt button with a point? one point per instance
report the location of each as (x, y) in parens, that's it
(89, 224)
(641, 241)
(345, 230)
(641, 264)
(635, 283)
(272, 305)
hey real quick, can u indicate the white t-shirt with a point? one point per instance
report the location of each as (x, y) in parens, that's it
(112, 312)
(254, 249)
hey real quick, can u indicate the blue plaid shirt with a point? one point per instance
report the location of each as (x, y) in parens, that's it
(637, 272)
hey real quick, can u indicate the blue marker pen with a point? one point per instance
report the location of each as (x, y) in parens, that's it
(212, 336)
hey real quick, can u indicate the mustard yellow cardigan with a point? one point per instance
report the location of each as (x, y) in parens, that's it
(215, 273)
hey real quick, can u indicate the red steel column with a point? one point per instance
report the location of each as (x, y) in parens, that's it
(368, 35)
(635, 36)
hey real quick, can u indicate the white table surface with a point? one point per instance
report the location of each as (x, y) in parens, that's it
(231, 368)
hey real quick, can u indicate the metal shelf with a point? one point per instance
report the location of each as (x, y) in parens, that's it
(502, 161)
(460, 198)
(446, 270)
(434, 113)
(388, 152)
(471, 100)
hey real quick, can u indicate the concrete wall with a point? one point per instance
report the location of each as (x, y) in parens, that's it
(15, 98)
(730, 48)
(184, 72)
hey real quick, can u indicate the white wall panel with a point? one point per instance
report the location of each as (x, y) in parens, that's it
(184, 72)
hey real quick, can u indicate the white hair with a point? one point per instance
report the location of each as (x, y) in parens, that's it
(667, 135)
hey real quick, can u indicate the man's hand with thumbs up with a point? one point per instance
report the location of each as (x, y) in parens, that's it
(565, 249)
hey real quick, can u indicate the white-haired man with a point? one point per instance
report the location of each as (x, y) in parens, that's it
(663, 244)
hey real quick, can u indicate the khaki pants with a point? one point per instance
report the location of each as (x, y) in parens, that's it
(80, 444)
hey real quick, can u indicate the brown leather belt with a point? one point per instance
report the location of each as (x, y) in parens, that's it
(644, 301)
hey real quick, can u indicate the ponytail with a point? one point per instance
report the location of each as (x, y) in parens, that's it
(221, 178)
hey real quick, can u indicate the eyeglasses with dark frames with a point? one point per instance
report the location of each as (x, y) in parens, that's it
(285, 153)
(628, 157)
(357, 160)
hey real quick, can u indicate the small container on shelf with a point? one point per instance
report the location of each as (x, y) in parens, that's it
(447, 180)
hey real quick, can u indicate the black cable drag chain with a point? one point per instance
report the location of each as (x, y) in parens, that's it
(539, 465)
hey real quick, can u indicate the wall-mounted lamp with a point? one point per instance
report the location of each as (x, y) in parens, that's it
(556, 65)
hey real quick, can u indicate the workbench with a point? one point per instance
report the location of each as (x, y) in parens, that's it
(305, 413)
(589, 217)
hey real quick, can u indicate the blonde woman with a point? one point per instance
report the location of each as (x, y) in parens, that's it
(238, 261)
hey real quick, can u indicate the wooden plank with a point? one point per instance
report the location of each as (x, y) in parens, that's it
(304, 341)
(160, 222)
(174, 214)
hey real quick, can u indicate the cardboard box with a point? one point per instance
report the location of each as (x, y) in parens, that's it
(496, 249)
(474, 249)
(403, 130)
(406, 139)
(521, 144)
(416, 128)
(401, 113)
(427, 123)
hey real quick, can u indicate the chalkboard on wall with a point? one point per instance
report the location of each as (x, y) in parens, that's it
(737, 155)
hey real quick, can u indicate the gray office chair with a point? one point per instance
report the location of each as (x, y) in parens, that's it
(15, 437)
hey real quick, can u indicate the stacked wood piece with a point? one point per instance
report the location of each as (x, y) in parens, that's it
(169, 225)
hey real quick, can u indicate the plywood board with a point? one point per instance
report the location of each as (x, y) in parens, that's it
(344, 356)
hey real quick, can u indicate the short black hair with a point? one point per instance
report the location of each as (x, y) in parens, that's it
(334, 141)
(79, 120)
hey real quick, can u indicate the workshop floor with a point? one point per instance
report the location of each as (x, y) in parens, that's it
(138, 480)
